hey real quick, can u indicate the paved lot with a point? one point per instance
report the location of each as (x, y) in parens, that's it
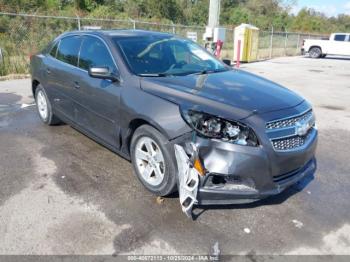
(61, 193)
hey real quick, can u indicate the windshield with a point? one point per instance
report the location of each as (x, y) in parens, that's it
(160, 56)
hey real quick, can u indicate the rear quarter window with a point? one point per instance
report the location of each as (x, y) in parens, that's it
(68, 50)
(339, 37)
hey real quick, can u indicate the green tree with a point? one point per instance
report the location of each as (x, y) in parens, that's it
(165, 9)
(262, 13)
(136, 8)
(308, 20)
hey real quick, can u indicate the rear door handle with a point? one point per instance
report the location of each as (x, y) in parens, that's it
(76, 85)
(48, 71)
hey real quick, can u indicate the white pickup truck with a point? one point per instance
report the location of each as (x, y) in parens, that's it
(338, 44)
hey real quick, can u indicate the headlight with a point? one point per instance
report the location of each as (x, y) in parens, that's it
(214, 127)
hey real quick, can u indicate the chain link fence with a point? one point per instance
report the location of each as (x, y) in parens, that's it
(24, 34)
(277, 44)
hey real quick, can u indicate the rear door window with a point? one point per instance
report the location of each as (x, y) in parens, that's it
(94, 53)
(339, 37)
(68, 50)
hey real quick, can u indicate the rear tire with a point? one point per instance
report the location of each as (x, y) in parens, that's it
(152, 161)
(44, 107)
(315, 52)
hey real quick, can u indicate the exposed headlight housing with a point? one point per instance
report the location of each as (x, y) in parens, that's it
(210, 126)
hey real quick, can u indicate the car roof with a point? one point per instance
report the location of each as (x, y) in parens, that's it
(341, 34)
(120, 33)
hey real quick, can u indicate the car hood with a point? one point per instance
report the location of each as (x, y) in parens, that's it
(233, 93)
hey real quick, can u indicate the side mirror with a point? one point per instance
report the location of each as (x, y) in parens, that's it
(102, 73)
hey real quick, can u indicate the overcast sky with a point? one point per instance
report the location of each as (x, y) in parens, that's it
(328, 7)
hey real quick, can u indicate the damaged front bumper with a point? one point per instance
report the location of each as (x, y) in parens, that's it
(239, 193)
(238, 174)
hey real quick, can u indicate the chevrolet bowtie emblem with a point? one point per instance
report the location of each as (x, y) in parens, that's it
(303, 127)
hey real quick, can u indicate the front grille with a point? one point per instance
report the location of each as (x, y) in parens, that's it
(288, 122)
(289, 133)
(288, 143)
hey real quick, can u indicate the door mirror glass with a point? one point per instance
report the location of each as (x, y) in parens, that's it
(102, 73)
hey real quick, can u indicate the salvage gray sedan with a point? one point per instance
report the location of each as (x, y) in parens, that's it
(185, 120)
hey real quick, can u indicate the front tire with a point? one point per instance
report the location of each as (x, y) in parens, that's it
(153, 163)
(315, 52)
(44, 107)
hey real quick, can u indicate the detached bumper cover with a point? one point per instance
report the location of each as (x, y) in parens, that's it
(188, 178)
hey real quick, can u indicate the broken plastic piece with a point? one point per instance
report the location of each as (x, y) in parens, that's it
(188, 181)
(198, 166)
(159, 200)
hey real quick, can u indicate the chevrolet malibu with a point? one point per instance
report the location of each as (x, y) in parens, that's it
(174, 110)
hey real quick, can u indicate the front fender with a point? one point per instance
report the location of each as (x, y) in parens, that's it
(160, 113)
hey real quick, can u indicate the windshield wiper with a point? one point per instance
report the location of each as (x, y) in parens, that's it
(205, 72)
(154, 74)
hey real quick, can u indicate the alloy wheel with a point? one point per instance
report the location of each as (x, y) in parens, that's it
(149, 161)
(42, 105)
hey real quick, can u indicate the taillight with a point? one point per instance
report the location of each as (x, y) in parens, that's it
(303, 42)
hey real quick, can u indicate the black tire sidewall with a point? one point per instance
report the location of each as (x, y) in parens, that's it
(168, 184)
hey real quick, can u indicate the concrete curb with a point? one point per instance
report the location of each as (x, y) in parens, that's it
(14, 76)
